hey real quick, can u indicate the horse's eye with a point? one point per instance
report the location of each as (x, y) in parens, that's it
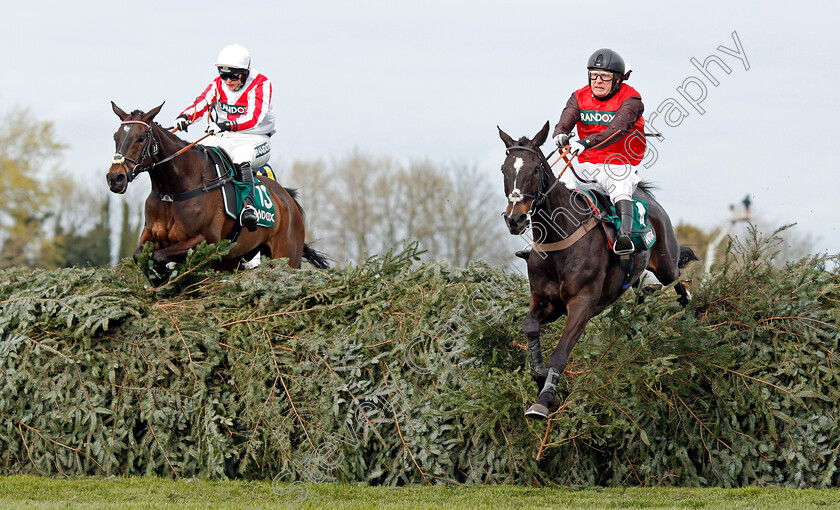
(141, 138)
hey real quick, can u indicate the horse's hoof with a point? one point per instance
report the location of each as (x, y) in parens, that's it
(537, 411)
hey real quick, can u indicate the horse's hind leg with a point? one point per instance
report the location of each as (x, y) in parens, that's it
(667, 256)
(665, 266)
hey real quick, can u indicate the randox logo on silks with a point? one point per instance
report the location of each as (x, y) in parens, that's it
(233, 109)
(596, 117)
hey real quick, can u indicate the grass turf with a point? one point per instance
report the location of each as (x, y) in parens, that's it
(138, 493)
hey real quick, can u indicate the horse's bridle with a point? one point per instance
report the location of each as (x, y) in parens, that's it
(150, 150)
(540, 195)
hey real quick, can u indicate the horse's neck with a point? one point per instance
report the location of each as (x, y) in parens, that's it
(559, 215)
(182, 173)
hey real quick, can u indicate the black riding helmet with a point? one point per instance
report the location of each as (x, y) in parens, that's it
(607, 60)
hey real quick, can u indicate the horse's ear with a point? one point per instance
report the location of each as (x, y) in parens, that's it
(121, 114)
(154, 111)
(505, 137)
(541, 137)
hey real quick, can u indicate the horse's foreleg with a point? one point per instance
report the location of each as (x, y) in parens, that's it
(580, 311)
(145, 237)
(540, 312)
(539, 371)
(176, 252)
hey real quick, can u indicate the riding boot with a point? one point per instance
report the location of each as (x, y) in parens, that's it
(623, 243)
(248, 216)
(523, 254)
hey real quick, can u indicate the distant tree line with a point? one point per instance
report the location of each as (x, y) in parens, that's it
(356, 206)
(359, 206)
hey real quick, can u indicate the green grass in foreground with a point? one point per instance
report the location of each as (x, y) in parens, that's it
(37, 492)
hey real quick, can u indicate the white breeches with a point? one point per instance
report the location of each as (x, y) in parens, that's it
(242, 147)
(617, 181)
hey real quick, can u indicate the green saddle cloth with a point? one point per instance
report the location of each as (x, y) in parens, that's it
(262, 202)
(266, 215)
(643, 236)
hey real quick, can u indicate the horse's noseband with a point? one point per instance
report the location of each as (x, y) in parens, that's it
(150, 150)
(541, 194)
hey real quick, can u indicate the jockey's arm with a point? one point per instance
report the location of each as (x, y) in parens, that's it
(194, 111)
(569, 118)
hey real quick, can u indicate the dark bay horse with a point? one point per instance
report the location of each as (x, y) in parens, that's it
(177, 226)
(579, 277)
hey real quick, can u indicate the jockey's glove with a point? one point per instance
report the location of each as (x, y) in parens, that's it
(576, 148)
(561, 140)
(218, 126)
(181, 122)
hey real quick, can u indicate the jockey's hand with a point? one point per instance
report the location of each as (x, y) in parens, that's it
(218, 126)
(561, 140)
(576, 148)
(181, 122)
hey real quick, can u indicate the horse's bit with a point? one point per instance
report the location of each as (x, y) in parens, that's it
(540, 195)
(150, 150)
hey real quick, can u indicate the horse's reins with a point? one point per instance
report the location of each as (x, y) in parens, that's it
(545, 169)
(541, 195)
(565, 153)
(150, 149)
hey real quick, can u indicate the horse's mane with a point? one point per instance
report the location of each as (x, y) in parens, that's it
(171, 136)
(524, 141)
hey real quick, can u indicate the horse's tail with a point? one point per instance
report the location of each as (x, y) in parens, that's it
(310, 254)
(316, 258)
(293, 192)
(686, 256)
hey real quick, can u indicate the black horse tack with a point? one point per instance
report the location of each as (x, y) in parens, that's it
(580, 276)
(178, 170)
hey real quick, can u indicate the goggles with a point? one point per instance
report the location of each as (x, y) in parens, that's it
(604, 76)
(230, 74)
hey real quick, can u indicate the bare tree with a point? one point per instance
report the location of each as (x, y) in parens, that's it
(360, 206)
(475, 231)
(314, 187)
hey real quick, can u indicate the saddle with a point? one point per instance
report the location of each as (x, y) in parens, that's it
(234, 192)
(604, 211)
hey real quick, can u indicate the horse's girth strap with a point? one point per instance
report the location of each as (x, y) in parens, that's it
(569, 241)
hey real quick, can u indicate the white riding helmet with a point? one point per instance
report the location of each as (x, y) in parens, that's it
(234, 56)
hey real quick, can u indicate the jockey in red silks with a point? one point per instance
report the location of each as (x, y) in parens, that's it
(241, 99)
(608, 116)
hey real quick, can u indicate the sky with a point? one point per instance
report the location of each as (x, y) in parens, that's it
(431, 80)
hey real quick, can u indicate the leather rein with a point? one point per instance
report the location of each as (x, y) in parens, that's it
(150, 150)
(541, 195)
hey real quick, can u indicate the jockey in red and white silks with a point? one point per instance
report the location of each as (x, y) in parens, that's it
(241, 99)
(245, 118)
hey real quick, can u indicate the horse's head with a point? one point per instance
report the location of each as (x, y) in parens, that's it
(526, 174)
(135, 147)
